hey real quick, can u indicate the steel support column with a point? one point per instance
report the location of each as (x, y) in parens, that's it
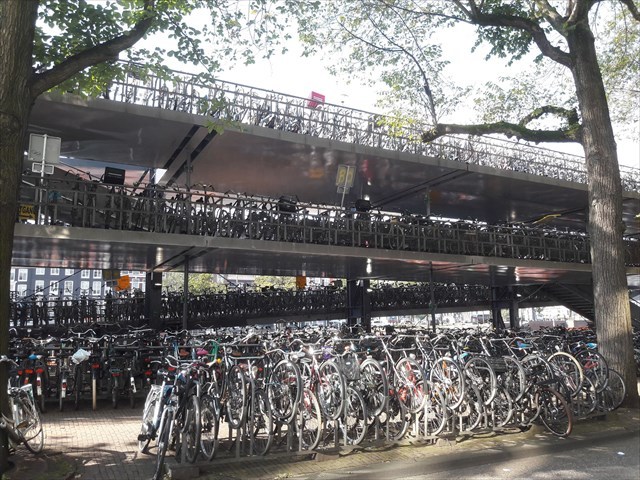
(153, 300)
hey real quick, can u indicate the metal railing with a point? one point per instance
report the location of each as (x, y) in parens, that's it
(237, 306)
(80, 203)
(231, 102)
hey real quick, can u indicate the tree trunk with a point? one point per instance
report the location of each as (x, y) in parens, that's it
(610, 291)
(17, 27)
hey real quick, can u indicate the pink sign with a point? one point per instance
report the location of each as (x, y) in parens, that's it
(315, 99)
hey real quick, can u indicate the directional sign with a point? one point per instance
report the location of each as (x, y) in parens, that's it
(27, 212)
(39, 153)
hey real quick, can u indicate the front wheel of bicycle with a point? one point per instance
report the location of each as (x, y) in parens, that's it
(190, 432)
(555, 412)
(210, 425)
(31, 426)
(309, 421)
(163, 443)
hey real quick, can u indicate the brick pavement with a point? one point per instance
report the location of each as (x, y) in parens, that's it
(102, 445)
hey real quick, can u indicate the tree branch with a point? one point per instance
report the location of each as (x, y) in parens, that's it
(524, 24)
(633, 8)
(510, 130)
(570, 115)
(106, 51)
(552, 16)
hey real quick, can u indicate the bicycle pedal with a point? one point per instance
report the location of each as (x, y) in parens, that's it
(144, 437)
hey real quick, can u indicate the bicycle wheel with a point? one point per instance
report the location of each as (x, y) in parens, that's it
(613, 394)
(261, 424)
(374, 386)
(210, 424)
(471, 410)
(555, 412)
(435, 411)
(331, 390)
(29, 424)
(568, 371)
(284, 390)
(146, 429)
(586, 401)
(595, 367)
(409, 382)
(395, 419)
(501, 408)
(236, 397)
(513, 378)
(354, 422)
(77, 387)
(309, 422)
(164, 438)
(189, 433)
(448, 375)
(480, 373)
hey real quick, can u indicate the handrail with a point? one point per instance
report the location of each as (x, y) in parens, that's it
(240, 103)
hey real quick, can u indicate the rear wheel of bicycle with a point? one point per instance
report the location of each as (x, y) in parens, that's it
(409, 382)
(586, 401)
(480, 373)
(285, 390)
(555, 412)
(210, 425)
(613, 394)
(568, 371)
(236, 397)
(309, 422)
(77, 388)
(261, 424)
(395, 419)
(354, 421)
(471, 410)
(501, 408)
(513, 378)
(447, 373)
(163, 444)
(374, 386)
(435, 411)
(147, 422)
(31, 425)
(190, 432)
(331, 390)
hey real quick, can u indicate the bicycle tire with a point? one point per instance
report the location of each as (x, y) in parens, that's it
(331, 391)
(568, 370)
(513, 378)
(471, 410)
(30, 427)
(446, 372)
(479, 372)
(375, 386)
(435, 411)
(501, 408)
(614, 393)
(190, 432)
(261, 424)
(555, 413)
(77, 388)
(236, 406)
(210, 424)
(284, 390)
(163, 443)
(354, 422)
(595, 366)
(309, 422)
(147, 420)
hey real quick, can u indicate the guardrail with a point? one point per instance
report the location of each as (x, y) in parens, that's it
(234, 102)
(80, 203)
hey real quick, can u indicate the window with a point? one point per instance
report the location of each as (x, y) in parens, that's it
(22, 289)
(53, 288)
(13, 275)
(84, 287)
(97, 274)
(23, 273)
(97, 288)
(85, 274)
(69, 271)
(39, 271)
(68, 287)
(39, 287)
(55, 271)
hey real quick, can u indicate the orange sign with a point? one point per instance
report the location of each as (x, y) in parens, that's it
(124, 283)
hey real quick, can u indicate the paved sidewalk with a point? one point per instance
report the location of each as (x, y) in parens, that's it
(102, 445)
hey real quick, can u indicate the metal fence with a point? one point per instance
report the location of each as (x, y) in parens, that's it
(174, 210)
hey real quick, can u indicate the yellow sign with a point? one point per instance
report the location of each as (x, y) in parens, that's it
(345, 176)
(124, 283)
(26, 212)
(301, 282)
